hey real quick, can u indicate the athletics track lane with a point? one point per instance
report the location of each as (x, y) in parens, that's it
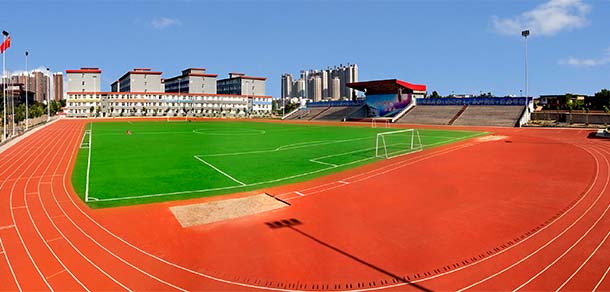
(282, 245)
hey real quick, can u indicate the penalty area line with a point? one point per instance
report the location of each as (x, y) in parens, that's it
(222, 172)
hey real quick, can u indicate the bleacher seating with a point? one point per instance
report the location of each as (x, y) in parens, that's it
(430, 114)
(482, 115)
(307, 113)
(338, 113)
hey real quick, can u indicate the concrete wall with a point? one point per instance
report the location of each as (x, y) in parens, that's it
(145, 83)
(84, 82)
(200, 84)
(573, 118)
(259, 87)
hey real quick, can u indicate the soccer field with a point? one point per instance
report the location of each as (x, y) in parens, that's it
(124, 163)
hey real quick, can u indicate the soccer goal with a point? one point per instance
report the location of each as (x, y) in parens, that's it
(396, 143)
(380, 123)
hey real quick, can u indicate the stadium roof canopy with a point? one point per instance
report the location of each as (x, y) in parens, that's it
(385, 86)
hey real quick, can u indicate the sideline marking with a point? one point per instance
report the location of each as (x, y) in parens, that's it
(88, 165)
(601, 280)
(224, 173)
(398, 164)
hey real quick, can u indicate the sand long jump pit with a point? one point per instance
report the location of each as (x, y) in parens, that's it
(216, 211)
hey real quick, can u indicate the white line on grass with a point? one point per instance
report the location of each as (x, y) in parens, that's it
(224, 173)
(279, 179)
(88, 165)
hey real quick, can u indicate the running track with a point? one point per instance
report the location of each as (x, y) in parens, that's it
(527, 211)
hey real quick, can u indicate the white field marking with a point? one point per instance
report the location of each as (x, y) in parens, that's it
(496, 254)
(54, 239)
(10, 267)
(299, 193)
(308, 143)
(550, 241)
(78, 207)
(93, 240)
(571, 247)
(222, 172)
(323, 163)
(93, 199)
(51, 276)
(601, 280)
(226, 132)
(82, 142)
(44, 136)
(588, 258)
(27, 251)
(6, 227)
(18, 207)
(585, 262)
(88, 165)
(282, 148)
(391, 166)
(25, 199)
(63, 235)
(344, 182)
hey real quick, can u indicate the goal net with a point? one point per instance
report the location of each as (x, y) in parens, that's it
(396, 143)
(380, 123)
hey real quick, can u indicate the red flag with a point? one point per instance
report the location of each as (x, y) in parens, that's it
(5, 45)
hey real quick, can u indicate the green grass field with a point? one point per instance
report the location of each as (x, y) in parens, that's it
(163, 161)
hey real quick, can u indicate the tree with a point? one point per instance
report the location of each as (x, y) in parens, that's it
(435, 94)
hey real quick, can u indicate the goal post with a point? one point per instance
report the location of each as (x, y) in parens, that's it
(380, 123)
(395, 143)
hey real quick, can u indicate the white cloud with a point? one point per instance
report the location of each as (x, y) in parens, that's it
(164, 22)
(589, 62)
(546, 19)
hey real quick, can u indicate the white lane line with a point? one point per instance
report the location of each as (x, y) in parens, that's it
(93, 240)
(343, 182)
(299, 193)
(601, 280)
(6, 227)
(585, 262)
(222, 172)
(54, 239)
(550, 241)
(51, 276)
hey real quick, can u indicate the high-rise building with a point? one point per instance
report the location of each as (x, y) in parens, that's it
(336, 88)
(58, 86)
(328, 87)
(287, 83)
(41, 86)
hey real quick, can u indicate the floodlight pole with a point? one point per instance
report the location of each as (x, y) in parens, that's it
(27, 81)
(525, 34)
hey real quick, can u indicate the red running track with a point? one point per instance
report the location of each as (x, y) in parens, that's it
(526, 211)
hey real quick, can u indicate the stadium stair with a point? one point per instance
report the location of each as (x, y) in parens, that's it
(457, 115)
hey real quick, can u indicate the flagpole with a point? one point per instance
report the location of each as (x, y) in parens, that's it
(13, 112)
(4, 33)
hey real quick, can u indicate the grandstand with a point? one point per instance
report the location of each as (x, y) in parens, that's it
(431, 114)
(308, 113)
(341, 113)
(489, 115)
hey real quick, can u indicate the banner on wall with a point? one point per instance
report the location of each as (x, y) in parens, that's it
(472, 101)
(387, 105)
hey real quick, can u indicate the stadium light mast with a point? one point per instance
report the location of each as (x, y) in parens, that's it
(27, 81)
(525, 34)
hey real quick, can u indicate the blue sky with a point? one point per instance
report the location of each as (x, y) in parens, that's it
(459, 46)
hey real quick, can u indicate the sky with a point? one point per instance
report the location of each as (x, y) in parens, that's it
(451, 46)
